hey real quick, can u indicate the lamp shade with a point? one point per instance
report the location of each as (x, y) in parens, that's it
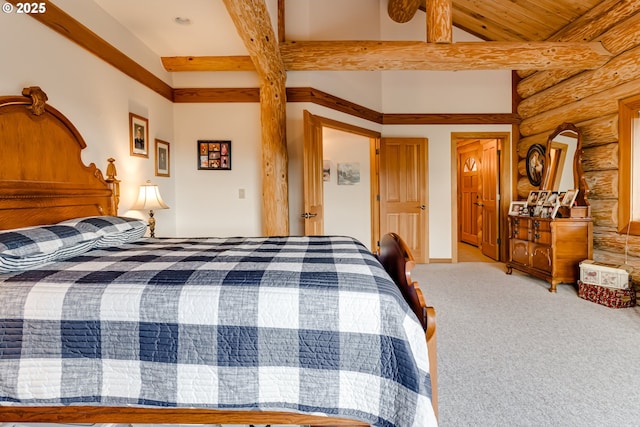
(149, 198)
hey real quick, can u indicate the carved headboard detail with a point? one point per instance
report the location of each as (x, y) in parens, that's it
(42, 177)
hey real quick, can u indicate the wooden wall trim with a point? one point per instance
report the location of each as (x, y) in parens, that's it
(216, 95)
(450, 119)
(65, 24)
(318, 97)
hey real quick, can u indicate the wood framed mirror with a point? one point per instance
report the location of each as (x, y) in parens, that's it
(560, 173)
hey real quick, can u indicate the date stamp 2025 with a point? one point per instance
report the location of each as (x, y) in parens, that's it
(24, 8)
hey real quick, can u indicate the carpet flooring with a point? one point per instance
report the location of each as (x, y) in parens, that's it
(510, 353)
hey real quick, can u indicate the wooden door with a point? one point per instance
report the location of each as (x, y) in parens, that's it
(468, 184)
(312, 177)
(489, 201)
(404, 195)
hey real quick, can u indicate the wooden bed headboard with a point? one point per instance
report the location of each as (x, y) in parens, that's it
(42, 177)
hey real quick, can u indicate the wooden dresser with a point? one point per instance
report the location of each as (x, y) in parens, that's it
(550, 249)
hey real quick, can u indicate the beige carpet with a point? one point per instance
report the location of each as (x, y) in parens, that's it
(510, 353)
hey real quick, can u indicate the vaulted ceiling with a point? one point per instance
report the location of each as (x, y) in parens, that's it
(212, 34)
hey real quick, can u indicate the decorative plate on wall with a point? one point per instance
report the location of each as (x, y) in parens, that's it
(535, 164)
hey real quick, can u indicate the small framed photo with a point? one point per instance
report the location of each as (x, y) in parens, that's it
(162, 158)
(532, 200)
(570, 197)
(542, 197)
(552, 199)
(326, 170)
(138, 135)
(517, 208)
(214, 154)
(348, 173)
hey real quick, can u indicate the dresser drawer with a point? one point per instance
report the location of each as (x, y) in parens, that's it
(541, 232)
(520, 228)
(541, 257)
(520, 251)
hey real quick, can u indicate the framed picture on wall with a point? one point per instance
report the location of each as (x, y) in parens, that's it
(214, 154)
(348, 173)
(162, 158)
(138, 135)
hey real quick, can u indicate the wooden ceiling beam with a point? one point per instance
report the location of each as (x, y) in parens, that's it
(400, 55)
(402, 11)
(208, 63)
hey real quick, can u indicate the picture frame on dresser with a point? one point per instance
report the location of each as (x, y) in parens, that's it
(517, 207)
(570, 197)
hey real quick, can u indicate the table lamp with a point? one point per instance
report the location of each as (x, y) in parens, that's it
(149, 198)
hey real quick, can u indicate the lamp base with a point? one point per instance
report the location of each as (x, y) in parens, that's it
(152, 224)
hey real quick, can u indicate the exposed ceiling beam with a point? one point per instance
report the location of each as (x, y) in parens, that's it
(401, 55)
(403, 10)
(208, 63)
(253, 24)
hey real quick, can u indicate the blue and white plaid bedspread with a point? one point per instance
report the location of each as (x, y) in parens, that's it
(303, 324)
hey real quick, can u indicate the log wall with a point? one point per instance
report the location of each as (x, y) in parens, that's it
(590, 100)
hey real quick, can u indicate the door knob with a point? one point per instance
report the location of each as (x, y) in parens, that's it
(308, 215)
(423, 207)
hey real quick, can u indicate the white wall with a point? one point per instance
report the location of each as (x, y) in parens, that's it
(347, 208)
(208, 202)
(96, 97)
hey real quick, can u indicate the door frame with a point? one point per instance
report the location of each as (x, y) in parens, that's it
(374, 147)
(505, 186)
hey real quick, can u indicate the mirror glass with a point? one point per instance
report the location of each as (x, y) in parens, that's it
(562, 159)
(561, 152)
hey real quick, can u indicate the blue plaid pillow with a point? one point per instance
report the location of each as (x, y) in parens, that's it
(31, 247)
(113, 230)
(9, 263)
(43, 239)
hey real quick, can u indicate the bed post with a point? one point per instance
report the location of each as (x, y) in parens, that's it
(396, 258)
(114, 185)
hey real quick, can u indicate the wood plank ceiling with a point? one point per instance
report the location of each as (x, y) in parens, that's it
(520, 20)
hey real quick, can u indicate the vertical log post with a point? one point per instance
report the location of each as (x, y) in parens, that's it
(439, 21)
(253, 23)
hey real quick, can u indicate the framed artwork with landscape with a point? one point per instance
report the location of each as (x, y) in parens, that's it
(162, 158)
(214, 154)
(138, 135)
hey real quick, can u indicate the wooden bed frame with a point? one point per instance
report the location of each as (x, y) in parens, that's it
(43, 181)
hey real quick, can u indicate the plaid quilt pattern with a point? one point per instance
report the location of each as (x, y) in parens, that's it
(304, 324)
(41, 239)
(113, 230)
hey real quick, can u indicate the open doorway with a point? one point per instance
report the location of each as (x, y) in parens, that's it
(481, 195)
(347, 173)
(352, 145)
